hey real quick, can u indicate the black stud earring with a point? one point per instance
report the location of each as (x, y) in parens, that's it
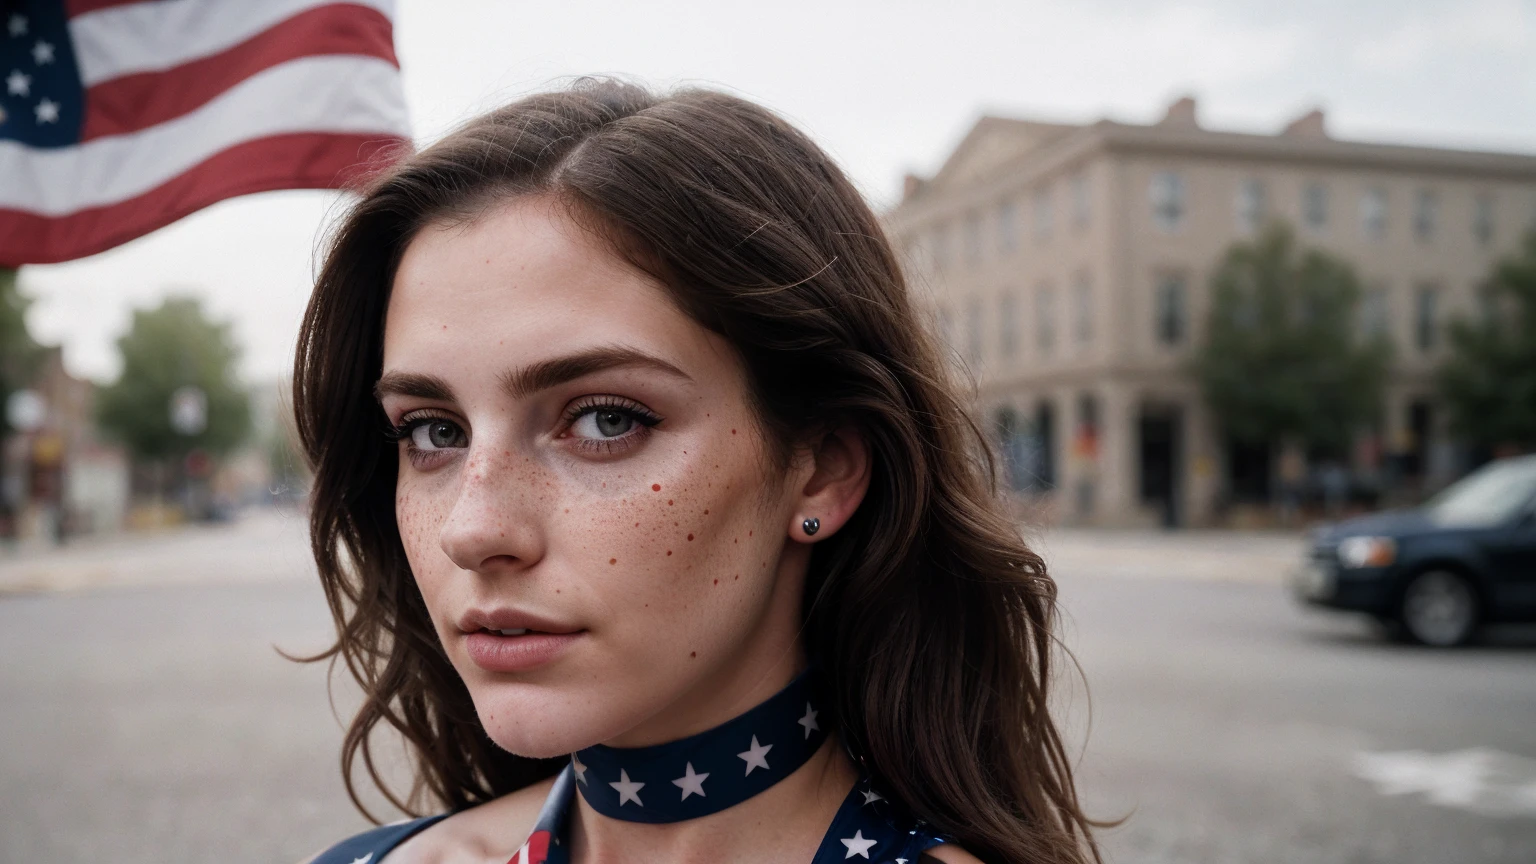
(811, 526)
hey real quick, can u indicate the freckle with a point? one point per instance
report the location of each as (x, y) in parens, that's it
(749, 533)
(693, 653)
(613, 560)
(655, 487)
(637, 524)
(717, 581)
(669, 551)
(733, 431)
(567, 509)
(557, 590)
(690, 536)
(737, 576)
(669, 502)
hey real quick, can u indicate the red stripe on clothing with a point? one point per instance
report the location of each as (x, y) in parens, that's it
(80, 7)
(311, 160)
(135, 102)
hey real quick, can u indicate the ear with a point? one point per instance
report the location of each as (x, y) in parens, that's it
(839, 478)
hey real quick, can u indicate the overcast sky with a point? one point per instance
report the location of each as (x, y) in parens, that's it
(888, 86)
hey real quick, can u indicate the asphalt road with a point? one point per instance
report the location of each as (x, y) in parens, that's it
(147, 718)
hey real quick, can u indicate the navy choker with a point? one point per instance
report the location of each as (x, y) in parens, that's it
(707, 772)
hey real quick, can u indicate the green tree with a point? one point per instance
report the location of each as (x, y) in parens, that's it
(1489, 376)
(18, 352)
(1283, 359)
(172, 346)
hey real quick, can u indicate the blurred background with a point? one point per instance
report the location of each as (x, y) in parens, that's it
(1248, 296)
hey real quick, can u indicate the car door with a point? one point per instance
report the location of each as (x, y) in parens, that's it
(1511, 555)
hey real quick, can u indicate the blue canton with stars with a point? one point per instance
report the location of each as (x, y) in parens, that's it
(42, 102)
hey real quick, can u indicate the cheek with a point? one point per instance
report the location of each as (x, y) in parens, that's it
(420, 508)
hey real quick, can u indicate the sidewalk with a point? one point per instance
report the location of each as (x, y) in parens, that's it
(260, 545)
(1259, 557)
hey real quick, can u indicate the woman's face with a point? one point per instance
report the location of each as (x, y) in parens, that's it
(584, 494)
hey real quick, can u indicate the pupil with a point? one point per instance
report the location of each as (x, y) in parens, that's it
(611, 423)
(441, 434)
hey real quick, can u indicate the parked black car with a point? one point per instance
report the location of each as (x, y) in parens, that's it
(1436, 573)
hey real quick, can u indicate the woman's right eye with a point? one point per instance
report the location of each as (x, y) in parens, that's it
(435, 433)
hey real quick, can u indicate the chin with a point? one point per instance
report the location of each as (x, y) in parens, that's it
(541, 721)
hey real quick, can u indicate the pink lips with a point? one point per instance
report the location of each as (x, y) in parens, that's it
(494, 652)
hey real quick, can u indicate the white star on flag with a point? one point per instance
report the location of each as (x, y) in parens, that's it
(363, 860)
(857, 845)
(18, 25)
(757, 757)
(42, 53)
(871, 796)
(581, 770)
(18, 83)
(47, 111)
(691, 783)
(809, 721)
(628, 789)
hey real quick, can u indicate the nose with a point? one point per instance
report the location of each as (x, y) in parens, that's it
(495, 524)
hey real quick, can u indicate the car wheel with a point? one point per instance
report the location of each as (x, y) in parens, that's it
(1440, 608)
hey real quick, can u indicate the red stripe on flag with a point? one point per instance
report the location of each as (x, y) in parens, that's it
(311, 160)
(80, 7)
(135, 102)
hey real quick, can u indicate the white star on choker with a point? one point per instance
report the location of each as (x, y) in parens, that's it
(871, 796)
(809, 721)
(756, 757)
(581, 770)
(691, 783)
(628, 789)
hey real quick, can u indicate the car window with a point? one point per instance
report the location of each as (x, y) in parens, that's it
(1487, 497)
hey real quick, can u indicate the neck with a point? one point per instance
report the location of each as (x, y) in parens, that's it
(783, 823)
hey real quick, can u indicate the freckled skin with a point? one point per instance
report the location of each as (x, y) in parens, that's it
(524, 517)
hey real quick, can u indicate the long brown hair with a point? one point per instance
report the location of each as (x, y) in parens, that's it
(929, 616)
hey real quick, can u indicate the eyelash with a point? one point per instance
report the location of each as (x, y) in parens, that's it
(643, 416)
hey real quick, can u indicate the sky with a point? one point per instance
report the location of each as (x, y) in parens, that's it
(887, 86)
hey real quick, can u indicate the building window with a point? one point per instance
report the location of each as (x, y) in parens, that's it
(1167, 197)
(1082, 204)
(1373, 311)
(1044, 215)
(1045, 318)
(1314, 207)
(1168, 314)
(1007, 226)
(1482, 218)
(1426, 206)
(973, 239)
(1373, 213)
(1425, 325)
(1251, 204)
(1008, 325)
(974, 319)
(1083, 300)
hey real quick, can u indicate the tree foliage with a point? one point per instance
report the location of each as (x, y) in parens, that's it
(1488, 379)
(18, 352)
(172, 346)
(1283, 358)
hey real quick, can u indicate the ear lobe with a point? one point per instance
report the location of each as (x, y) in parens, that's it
(835, 488)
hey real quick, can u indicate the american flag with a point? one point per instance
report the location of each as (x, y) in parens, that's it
(118, 117)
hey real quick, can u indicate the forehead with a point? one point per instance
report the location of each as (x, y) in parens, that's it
(523, 282)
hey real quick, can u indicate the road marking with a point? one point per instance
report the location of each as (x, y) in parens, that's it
(1479, 780)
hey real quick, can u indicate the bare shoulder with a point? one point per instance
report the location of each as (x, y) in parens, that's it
(949, 853)
(496, 827)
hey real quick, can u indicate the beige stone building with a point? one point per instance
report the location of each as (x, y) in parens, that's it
(1068, 267)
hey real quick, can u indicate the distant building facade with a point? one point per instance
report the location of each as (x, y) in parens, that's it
(1068, 267)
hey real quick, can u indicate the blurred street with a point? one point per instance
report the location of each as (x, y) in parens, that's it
(147, 718)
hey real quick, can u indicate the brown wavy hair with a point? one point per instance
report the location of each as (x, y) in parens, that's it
(929, 616)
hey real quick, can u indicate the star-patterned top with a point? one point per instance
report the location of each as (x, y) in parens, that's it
(42, 99)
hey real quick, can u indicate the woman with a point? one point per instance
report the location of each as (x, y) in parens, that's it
(648, 515)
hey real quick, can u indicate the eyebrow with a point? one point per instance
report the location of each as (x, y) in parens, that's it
(532, 378)
(559, 370)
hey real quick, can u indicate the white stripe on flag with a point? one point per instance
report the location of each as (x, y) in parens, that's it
(153, 37)
(343, 94)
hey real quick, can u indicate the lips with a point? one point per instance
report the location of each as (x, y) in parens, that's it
(510, 640)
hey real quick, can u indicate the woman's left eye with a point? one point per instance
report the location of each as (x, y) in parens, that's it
(606, 421)
(603, 423)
